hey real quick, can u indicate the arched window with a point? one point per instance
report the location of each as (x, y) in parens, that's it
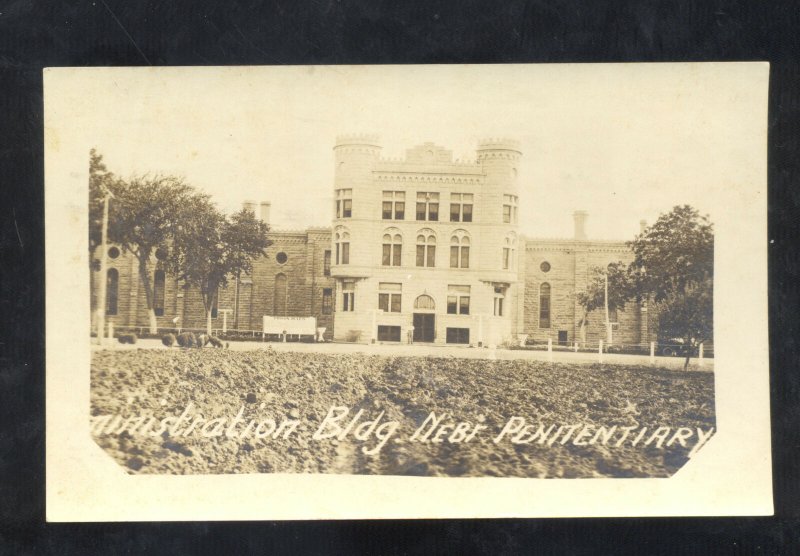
(459, 249)
(280, 295)
(424, 302)
(342, 242)
(159, 287)
(112, 291)
(392, 248)
(544, 305)
(426, 248)
(509, 251)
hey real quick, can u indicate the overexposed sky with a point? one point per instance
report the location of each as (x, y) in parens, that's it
(622, 141)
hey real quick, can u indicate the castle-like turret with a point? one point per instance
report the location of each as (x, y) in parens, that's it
(499, 205)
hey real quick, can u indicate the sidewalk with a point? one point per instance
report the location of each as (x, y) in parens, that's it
(428, 350)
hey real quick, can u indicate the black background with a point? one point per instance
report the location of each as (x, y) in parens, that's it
(35, 35)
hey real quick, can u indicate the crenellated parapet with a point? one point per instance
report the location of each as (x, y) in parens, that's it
(358, 144)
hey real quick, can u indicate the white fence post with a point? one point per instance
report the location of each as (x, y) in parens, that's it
(600, 351)
(576, 347)
(110, 333)
(652, 353)
(700, 362)
(550, 349)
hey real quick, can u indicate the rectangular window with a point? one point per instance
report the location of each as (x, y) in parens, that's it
(348, 295)
(466, 213)
(394, 205)
(326, 264)
(563, 337)
(389, 297)
(344, 203)
(459, 256)
(461, 207)
(346, 252)
(426, 255)
(510, 203)
(458, 335)
(386, 256)
(327, 301)
(427, 206)
(506, 258)
(499, 298)
(388, 333)
(391, 254)
(458, 300)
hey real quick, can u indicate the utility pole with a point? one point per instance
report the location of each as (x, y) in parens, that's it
(608, 322)
(101, 292)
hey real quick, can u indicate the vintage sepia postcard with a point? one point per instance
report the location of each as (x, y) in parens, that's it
(335, 292)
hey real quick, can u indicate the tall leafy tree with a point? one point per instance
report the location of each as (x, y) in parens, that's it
(674, 267)
(594, 296)
(145, 215)
(210, 247)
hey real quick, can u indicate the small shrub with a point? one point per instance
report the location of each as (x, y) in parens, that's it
(202, 340)
(214, 341)
(127, 338)
(168, 340)
(186, 339)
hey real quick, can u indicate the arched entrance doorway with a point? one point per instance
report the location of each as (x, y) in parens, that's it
(424, 319)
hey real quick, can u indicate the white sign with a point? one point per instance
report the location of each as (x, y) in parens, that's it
(290, 325)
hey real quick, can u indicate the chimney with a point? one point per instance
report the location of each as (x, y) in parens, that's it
(642, 226)
(265, 206)
(250, 205)
(580, 217)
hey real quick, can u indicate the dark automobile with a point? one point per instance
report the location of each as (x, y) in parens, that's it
(677, 347)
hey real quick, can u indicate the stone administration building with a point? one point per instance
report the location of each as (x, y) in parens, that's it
(422, 249)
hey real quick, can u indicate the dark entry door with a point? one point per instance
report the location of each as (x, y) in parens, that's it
(424, 326)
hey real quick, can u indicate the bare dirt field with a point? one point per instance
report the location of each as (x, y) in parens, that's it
(264, 411)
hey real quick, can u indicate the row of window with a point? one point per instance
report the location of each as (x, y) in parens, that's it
(390, 299)
(393, 206)
(392, 250)
(159, 293)
(453, 335)
(426, 253)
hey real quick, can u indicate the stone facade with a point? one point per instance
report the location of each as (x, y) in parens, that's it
(423, 249)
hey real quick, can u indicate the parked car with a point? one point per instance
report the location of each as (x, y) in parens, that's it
(677, 347)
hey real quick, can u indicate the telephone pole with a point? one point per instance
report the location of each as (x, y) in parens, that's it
(103, 282)
(605, 300)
